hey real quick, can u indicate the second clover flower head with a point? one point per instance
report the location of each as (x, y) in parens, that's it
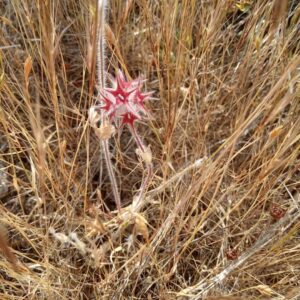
(123, 103)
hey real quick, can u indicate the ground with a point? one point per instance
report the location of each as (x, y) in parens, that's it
(220, 218)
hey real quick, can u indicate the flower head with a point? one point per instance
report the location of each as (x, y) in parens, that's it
(124, 102)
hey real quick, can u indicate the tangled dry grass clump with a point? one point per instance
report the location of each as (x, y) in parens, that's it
(220, 217)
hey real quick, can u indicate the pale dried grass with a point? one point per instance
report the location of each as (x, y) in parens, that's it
(225, 144)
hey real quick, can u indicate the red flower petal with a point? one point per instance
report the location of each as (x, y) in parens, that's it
(124, 100)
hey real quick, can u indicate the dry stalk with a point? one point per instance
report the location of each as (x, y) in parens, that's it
(201, 289)
(130, 212)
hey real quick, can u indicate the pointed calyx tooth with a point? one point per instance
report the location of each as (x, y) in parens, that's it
(124, 100)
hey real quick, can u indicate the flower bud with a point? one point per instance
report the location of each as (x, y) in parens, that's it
(94, 117)
(106, 131)
(145, 155)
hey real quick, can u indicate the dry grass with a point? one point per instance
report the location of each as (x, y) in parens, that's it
(228, 89)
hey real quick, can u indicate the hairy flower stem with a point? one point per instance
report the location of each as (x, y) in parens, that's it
(111, 173)
(102, 82)
(137, 203)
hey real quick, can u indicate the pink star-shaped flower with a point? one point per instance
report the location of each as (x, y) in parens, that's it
(124, 100)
